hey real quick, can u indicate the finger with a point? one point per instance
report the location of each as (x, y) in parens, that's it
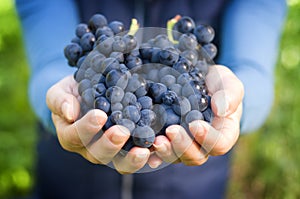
(134, 160)
(226, 89)
(109, 144)
(217, 139)
(62, 100)
(79, 134)
(184, 147)
(154, 161)
(164, 150)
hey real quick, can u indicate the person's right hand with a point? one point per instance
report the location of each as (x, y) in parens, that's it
(82, 136)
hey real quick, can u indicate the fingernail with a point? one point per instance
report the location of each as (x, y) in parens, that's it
(155, 164)
(119, 137)
(99, 118)
(140, 157)
(222, 106)
(196, 128)
(174, 134)
(66, 110)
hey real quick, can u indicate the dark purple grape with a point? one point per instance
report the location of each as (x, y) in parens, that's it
(204, 33)
(114, 94)
(116, 26)
(104, 31)
(147, 117)
(130, 42)
(115, 116)
(185, 24)
(211, 50)
(99, 90)
(130, 125)
(168, 56)
(193, 115)
(132, 113)
(97, 21)
(143, 136)
(87, 41)
(81, 29)
(146, 102)
(169, 97)
(156, 91)
(73, 52)
(102, 103)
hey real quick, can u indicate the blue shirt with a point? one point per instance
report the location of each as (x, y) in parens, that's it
(249, 40)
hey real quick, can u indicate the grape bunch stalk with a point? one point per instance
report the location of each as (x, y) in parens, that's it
(145, 86)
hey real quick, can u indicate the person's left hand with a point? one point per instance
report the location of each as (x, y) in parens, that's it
(227, 93)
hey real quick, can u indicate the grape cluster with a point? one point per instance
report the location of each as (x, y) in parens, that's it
(144, 86)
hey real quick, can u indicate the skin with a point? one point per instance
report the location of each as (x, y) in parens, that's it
(82, 135)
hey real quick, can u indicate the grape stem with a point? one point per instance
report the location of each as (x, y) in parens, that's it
(134, 26)
(170, 25)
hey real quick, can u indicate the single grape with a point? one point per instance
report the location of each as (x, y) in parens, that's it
(105, 30)
(119, 56)
(130, 125)
(116, 107)
(88, 97)
(169, 97)
(185, 24)
(97, 21)
(190, 55)
(143, 136)
(130, 42)
(116, 78)
(132, 113)
(156, 91)
(168, 80)
(183, 65)
(129, 98)
(115, 116)
(171, 118)
(176, 88)
(116, 26)
(81, 29)
(146, 102)
(73, 52)
(168, 56)
(83, 85)
(181, 106)
(204, 33)
(211, 50)
(99, 90)
(118, 45)
(187, 42)
(89, 73)
(102, 103)
(193, 115)
(147, 117)
(114, 94)
(87, 41)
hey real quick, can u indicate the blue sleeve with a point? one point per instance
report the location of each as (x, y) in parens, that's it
(47, 28)
(249, 47)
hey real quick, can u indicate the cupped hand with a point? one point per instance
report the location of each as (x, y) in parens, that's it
(84, 135)
(227, 93)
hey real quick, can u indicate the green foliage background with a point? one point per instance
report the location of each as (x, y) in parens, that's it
(266, 163)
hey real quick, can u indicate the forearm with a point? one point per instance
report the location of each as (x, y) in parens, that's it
(249, 47)
(47, 26)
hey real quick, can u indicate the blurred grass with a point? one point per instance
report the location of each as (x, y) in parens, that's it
(17, 137)
(266, 163)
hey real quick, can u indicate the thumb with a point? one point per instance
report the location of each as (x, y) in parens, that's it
(61, 99)
(226, 89)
